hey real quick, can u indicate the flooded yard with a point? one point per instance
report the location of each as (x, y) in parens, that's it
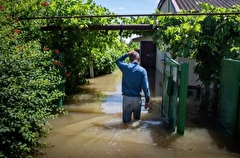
(94, 128)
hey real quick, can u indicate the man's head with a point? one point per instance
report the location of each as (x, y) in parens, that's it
(134, 56)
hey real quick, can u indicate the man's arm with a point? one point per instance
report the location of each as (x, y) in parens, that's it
(120, 60)
(146, 90)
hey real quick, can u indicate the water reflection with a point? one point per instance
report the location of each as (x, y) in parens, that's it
(94, 128)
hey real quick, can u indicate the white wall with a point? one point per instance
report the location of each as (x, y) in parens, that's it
(192, 77)
(160, 60)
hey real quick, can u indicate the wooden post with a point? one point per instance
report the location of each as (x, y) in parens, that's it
(91, 69)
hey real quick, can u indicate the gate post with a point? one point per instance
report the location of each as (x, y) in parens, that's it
(182, 98)
(61, 87)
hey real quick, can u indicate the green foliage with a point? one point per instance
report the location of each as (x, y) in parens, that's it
(34, 63)
(206, 38)
(81, 47)
(28, 81)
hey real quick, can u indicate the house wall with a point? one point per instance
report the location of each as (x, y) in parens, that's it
(192, 77)
(141, 39)
(167, 6)
(159, 54)
(160, 60)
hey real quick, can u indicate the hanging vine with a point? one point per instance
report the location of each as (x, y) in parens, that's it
(205, 38)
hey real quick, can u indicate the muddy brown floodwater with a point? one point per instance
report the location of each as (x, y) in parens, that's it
(94, 128)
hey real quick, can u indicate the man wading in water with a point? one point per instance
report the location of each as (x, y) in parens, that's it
(134, 80)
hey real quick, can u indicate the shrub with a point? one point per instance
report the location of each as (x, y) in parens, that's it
(28, 81)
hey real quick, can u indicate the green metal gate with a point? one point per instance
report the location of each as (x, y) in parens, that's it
(61, 87)
(170, 90)
(175, 81)
(229, 96)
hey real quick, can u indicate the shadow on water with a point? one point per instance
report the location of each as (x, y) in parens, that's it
(94, 127)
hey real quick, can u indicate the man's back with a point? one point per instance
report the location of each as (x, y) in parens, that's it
(134, 78)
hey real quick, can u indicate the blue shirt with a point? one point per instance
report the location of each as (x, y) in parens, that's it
(134, 78)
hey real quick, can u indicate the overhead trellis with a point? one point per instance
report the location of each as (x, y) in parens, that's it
(103, 27)
(120, 27)
(129, 15)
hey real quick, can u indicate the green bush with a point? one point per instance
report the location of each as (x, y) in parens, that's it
(28, 81)
(35, 64)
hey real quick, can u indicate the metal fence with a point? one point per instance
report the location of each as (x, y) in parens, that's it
(174, 97)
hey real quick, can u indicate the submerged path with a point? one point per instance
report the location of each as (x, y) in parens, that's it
(94, 128)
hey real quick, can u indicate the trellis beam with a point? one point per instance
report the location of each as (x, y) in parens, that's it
(129, 15)
(102, 27)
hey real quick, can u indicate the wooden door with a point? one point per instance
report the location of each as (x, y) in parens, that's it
(148, 54)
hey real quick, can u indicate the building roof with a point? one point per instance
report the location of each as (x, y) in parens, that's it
(192, 4)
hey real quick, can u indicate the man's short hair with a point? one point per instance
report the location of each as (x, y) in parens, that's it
(134, 56)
